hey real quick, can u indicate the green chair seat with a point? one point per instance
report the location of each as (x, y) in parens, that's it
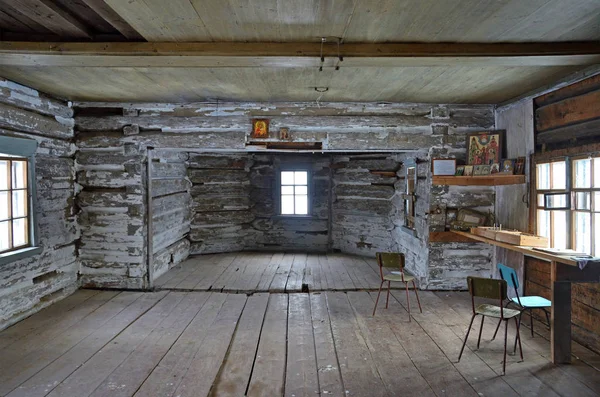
(494, 311)
(395, 276)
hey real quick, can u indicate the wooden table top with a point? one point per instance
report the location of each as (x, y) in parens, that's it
(529, 251)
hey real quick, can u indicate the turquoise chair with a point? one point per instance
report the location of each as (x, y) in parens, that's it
(524, 303)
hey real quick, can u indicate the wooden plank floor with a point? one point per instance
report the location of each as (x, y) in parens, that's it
(197, 343)
(248, 272)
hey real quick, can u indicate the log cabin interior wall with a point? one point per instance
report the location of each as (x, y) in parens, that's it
(29, 284)
(233, 190)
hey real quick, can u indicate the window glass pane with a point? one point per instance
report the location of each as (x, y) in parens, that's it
(19, 202)
(4, 206)
(556, 200)
(597, 172)
(540, 200)
(301, 178)
(301, 190)
(543, 223)
(301, 205)
(3, 175)
(543, 176)
(19, 174)
(287, 177)
(559, 175)
(583, 201)
(560, 229)
(287, 190)
(4, 236)
(583, 173)
(287, 205)
(597, 202)
(19, 232)
(583, 232)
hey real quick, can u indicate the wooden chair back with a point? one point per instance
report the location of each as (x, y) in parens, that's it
(391, 261)
(489, 288)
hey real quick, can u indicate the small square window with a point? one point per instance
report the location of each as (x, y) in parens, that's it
(294, 192)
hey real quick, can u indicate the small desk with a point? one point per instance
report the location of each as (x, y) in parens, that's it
(563, 272)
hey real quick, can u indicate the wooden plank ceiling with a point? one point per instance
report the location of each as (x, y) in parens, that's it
(476, 79)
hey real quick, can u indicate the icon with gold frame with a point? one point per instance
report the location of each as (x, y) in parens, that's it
(260, 128)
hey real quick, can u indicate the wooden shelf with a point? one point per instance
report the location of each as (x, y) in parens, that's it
(449, 237)
(486, 180)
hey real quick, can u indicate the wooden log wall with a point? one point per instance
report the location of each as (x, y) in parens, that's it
(112, 200)
(569, 116)
(235, 204)
(451, 262)
(364, 205)
(419, 130)
(171, 210)
(30, 284)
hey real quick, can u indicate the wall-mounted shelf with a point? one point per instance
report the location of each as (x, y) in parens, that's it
(485, 180)
(449, 237)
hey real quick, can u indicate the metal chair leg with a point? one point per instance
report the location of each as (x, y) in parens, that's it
(547, 317)
(480, 330)
(499, 322)
(387, 300)
(531, 320)
(377, 300)
(518, 337)
(518, 323)
(466, 336)
(417, 294)
(505, 338)
(497, 328)
(407, 300)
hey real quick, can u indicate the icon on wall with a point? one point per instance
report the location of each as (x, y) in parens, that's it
(260, 128)
(284, 133)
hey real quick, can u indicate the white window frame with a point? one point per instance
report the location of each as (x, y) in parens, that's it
(291, 168)
(24, 149)
(572, 210)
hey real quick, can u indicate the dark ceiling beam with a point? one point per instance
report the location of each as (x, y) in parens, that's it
(110, 16)
(219, 55)
(54, 18)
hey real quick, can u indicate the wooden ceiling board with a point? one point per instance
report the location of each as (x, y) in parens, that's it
(159, 20)
(5, 6)
(85, 13)
(363, 20)
(53, 17)
(418, 84)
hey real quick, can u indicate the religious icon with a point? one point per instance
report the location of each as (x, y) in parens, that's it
(484, 148)
(508, 166)
(260, 128)
(284, 133)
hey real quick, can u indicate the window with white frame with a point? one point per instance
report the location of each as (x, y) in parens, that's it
(568, 203)
(294, 192)
(18, 237)
(14, 204)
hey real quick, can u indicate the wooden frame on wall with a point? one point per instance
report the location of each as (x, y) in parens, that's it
(485, 147)
(443, 167)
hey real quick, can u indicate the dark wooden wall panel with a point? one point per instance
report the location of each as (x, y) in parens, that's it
(569, 114)
(585, 302)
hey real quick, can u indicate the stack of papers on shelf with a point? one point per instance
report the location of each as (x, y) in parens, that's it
(563, 252)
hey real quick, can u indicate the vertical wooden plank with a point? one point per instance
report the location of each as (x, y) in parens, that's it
(90, 375)
(393, 363)
(282, 273)
(294, 283)
(167, 375)
(269, 274)
(268, 376)
(359, 373)
(560, 320)
(330, 378)
(312, 274)
(205, 366)
(235, 373)
(45, 380)
(132, 372)
(301, 372)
